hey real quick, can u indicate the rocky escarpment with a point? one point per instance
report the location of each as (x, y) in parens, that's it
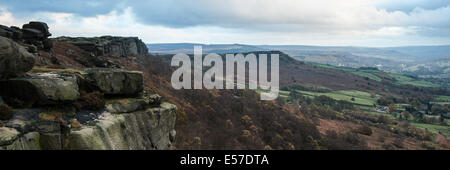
(53, 119)
(47, 107)
(34, 37)
(14, 59)
(108, 46)
(34, 33)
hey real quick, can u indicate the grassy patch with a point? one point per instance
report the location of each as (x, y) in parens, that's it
(402, 80)
(443, 98)
(377, 76)
(441, 103)
(441, 129)
(371, 74)
(48, 70)
(359, 97)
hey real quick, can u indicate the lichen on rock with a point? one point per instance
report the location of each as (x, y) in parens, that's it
(145, 129)
(56, 106)
(41, 89)
(108, 45)
(14, 59)
(8, 135)
(125, 105)
(116, 81)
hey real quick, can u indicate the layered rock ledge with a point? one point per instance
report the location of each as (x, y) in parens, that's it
(108, 45)
(146, 129)
(116, 81)
(128, 121)
(47, 105)
(14, 59)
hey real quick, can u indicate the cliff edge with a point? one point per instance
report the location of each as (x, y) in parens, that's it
(78, 100)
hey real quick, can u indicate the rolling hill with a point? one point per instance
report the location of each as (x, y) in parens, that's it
(188, 48)
(421, 61)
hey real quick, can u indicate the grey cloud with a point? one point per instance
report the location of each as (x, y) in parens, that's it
(409, 5)
(244, 14)
(80, 7)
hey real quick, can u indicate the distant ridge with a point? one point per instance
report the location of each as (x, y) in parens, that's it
(396, 53)
(424, 52)
(421, 61)
(188, 48)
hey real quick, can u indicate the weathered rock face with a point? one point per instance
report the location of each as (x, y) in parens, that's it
(10, 32)
(6, 112)
(73, 109)
(41, 89)
(34, 33)
(14, 59)
(29, 141)
(147, 129)
(35, 30)
(116, 81)
(43, 128)
(153, 99)
(138, 122)
(8, 135)
(125, 105)
(109, 46)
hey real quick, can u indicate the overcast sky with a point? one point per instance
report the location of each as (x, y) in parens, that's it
(303, 22)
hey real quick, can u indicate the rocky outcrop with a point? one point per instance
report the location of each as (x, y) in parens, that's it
(8, 135)
(10, 32)
(116, 81)
(14, 59)
(35, 30)
(33, 36)
(146, 129)
(63, 87)
(34, 33)
(41, 89)
(109, 46)
(91, 108)
(29, 141)
(125, 105)
(153, 99)
(135, 122)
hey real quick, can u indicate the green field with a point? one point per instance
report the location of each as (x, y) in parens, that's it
(441, 103)
(443, 98)
(365, 102)
(360, 97)
(371, 74)
(284, 94)
(434, 128)
(401, 79)
(375, 75)
(444, 130)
